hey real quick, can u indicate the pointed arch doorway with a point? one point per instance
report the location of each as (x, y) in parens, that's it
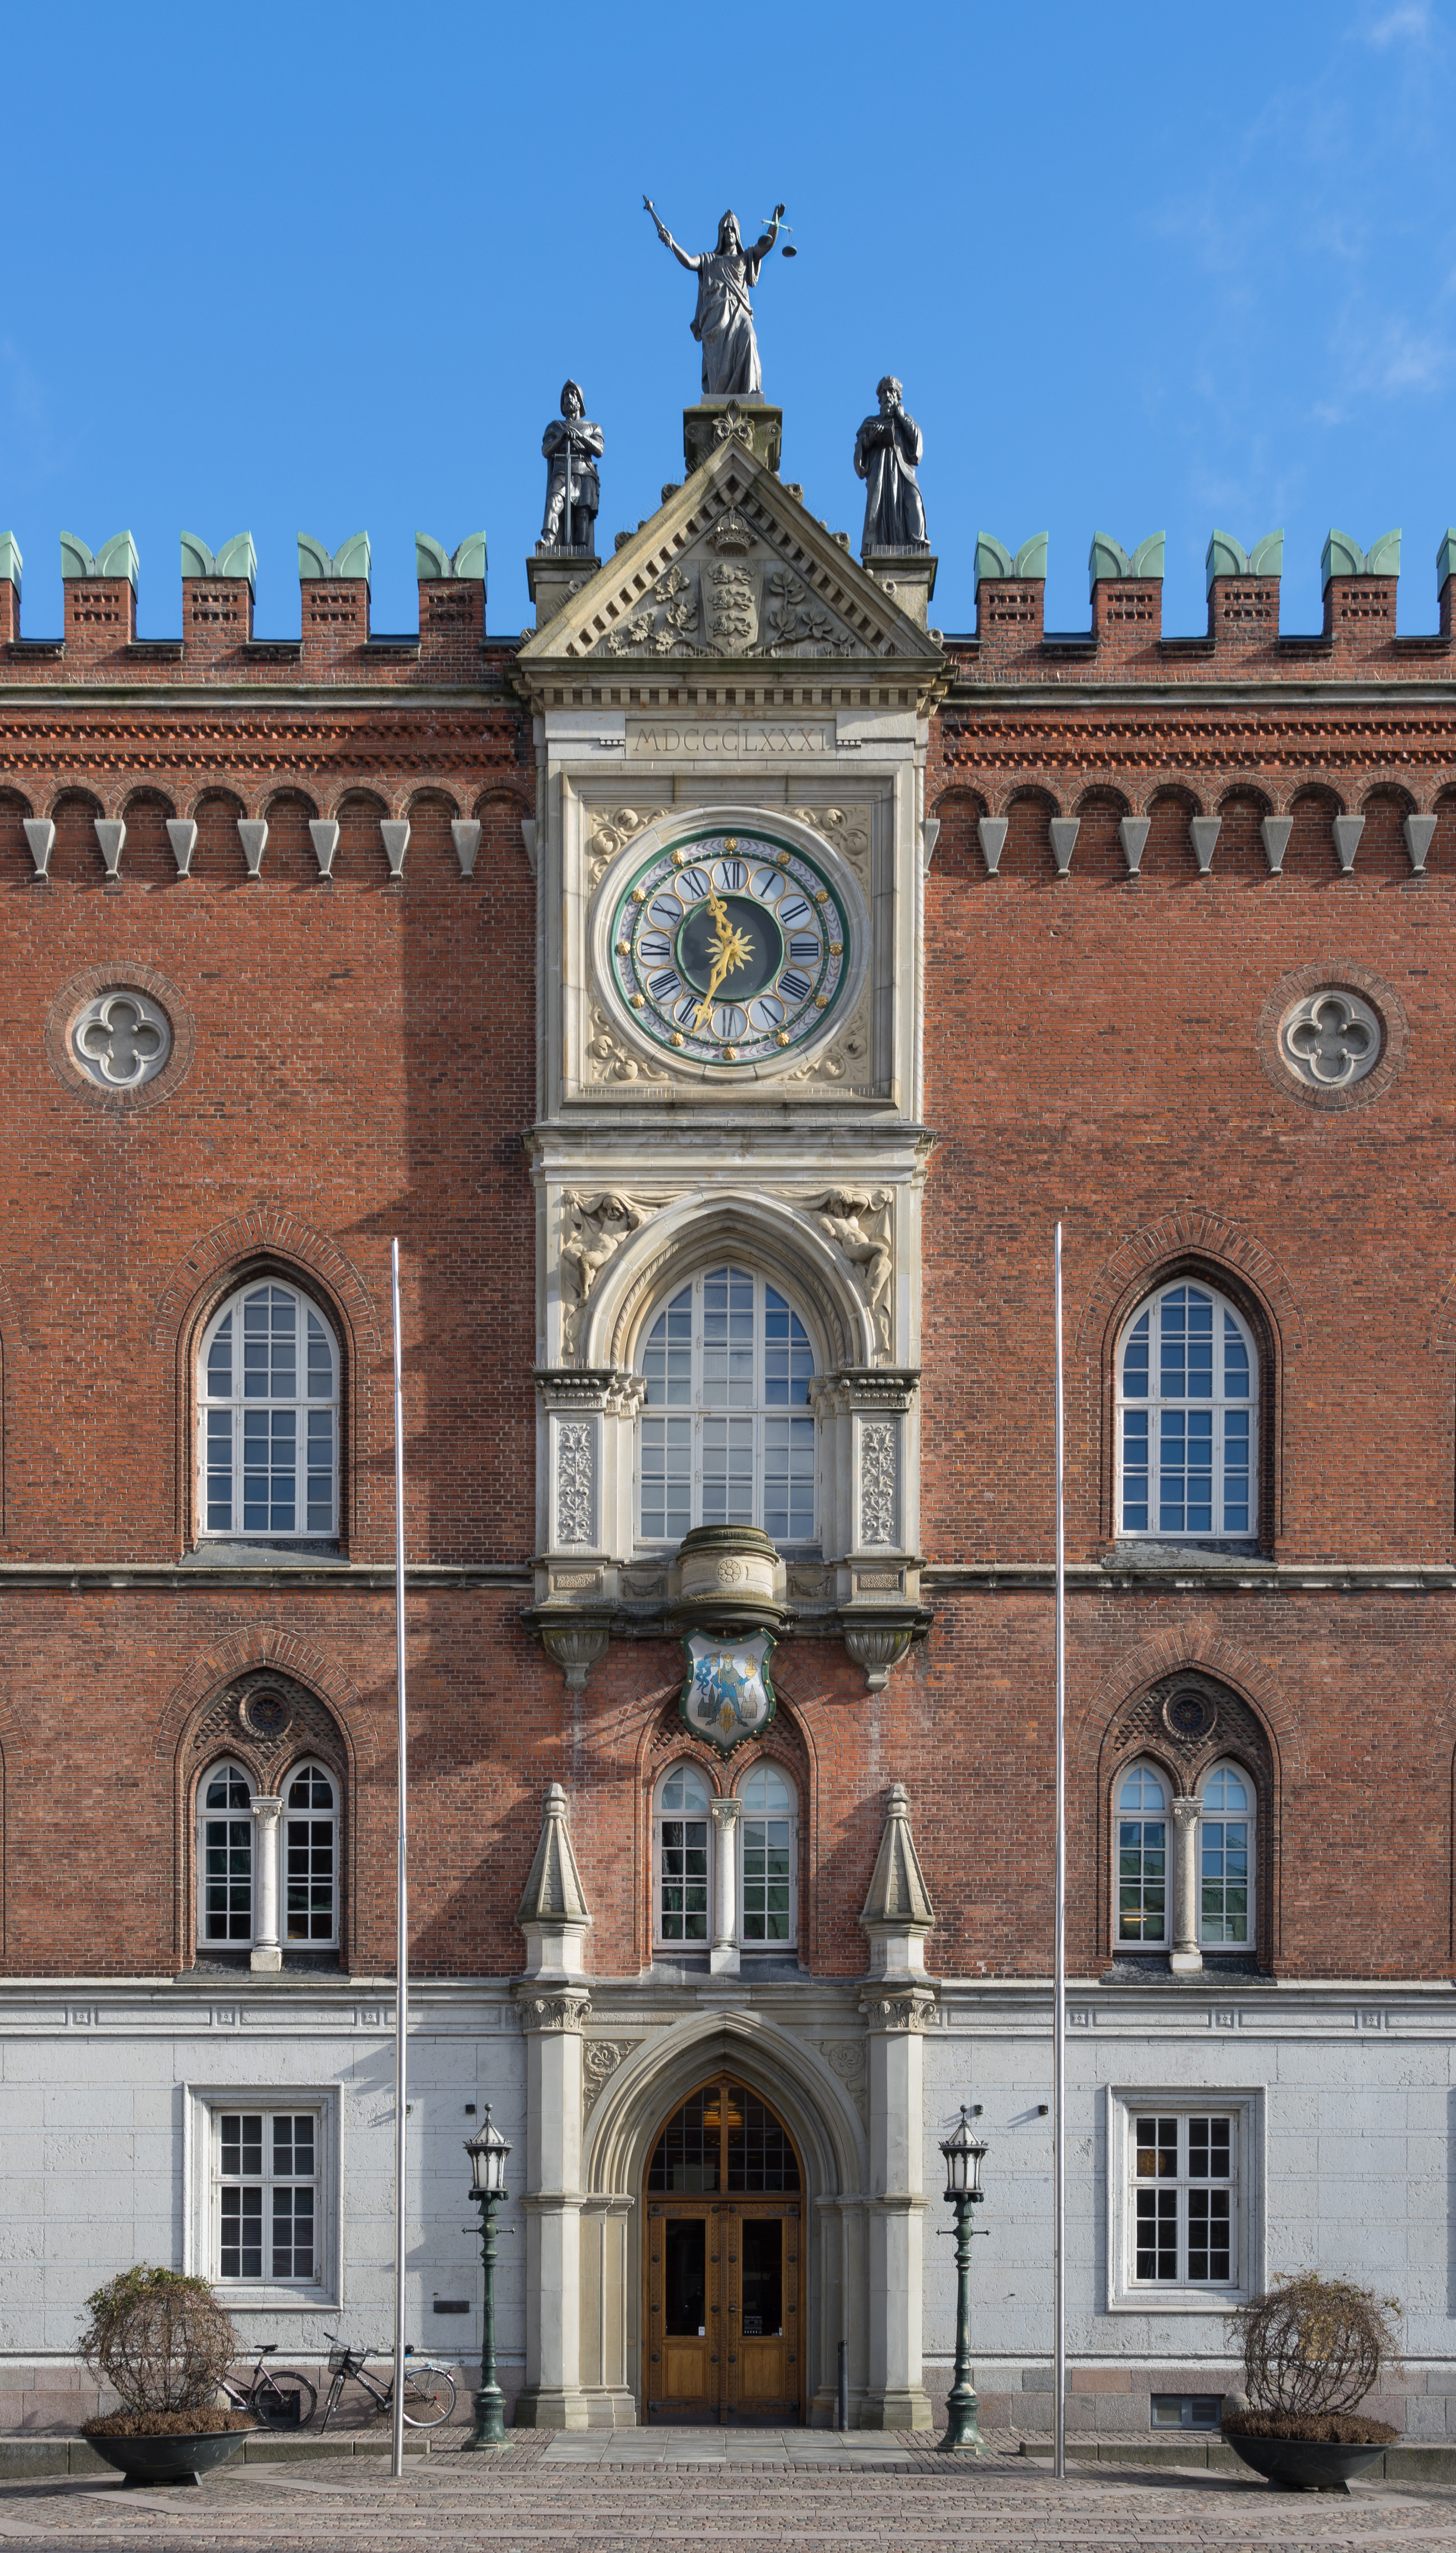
(722, 2265)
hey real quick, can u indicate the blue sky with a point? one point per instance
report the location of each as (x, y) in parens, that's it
(324, 268)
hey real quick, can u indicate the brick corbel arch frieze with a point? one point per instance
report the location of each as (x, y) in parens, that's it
(1193, 1243)
(1113, 1713)
(331, 1721)
(269, 1236)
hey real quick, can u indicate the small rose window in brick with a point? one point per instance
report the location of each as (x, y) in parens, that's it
(1331, 1038)
(121, 1040)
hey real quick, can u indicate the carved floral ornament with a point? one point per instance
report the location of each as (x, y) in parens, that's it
(857, 1223)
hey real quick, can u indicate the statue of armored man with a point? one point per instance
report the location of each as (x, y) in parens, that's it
(572, 447)
(723, 322)
(887, 449)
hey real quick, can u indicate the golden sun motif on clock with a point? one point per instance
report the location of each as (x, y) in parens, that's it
(731, 948)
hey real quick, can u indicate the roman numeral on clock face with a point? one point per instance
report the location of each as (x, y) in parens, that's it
(805, 949)
(795, 988)
(794, 909)
(666, 988)
(654, 948)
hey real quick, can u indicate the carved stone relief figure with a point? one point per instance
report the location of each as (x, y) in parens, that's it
(593, 1230)
(858, 1222)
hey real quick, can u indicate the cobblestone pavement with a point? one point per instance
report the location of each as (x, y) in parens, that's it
(640, 2491)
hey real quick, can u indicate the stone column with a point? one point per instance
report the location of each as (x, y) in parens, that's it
(553, 2001)
(552, 2397)
(1187, 1958)
(268, 1810)
(895, 2397)
(724, 1958)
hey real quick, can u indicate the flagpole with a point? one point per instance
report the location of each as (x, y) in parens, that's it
(1058, 1981)
(401, 1901)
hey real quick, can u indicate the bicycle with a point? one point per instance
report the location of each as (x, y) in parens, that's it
(278, 2397)
(429, 2389)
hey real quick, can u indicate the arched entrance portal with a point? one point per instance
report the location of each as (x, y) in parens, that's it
(723, 2263)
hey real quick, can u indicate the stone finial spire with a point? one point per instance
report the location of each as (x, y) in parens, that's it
(897, 1913)
(553, 1913)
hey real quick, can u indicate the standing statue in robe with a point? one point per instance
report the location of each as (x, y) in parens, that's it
(887, 449)
(723, 322)
(573, 489)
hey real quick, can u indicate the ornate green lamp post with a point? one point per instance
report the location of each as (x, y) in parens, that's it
(487, 2153)
(965, 2153)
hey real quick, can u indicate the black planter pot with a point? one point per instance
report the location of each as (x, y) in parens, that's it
(155, 2460)
(1302, 2464)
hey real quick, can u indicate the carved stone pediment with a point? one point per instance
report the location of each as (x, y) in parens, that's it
(733, 569)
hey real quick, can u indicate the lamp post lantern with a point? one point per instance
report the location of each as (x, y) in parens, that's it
(965, 2153)
(488, 2153)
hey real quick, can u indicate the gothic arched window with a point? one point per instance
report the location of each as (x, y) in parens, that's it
(1188, 1396)
(268, 1394)
(769, 1857)
(682, 1858)
(727, 1434)
(225, 1859)
(311, 1857)
(1140, 1824)
(1226, 1858)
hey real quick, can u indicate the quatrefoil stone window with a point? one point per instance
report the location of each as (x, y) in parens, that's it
(1330, 1040)
(121, 1040)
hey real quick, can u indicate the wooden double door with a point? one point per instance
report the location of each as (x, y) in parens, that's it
(723, 2267)
(724, 2309)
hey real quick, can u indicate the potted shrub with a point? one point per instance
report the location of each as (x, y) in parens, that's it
(162, 2343)
(1313, 2349)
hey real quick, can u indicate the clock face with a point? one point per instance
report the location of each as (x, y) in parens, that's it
(731, 948)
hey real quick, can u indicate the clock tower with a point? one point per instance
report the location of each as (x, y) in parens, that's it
(732, 720)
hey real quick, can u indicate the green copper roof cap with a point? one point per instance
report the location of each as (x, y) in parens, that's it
(1108, 561)
(316, 561)
(1445, 556)
(1228, 557)
(432, 559)
(10, 560)
(236, 557)
(1344, 557)
(116, 557)
(993, 559)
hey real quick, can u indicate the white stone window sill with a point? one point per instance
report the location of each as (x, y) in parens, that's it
(275, 2300)
(1148, 2301)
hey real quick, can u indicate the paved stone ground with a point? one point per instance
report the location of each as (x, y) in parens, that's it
(722, 2493)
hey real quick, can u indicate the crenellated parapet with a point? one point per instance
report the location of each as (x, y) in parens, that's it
(337, 644)
(1126, 640)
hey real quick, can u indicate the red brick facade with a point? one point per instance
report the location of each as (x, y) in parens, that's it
(357, 1058)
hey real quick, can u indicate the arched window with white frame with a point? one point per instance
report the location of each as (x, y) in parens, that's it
(1187, 1404)
(1139, 1825)
(727, 1432)
(310, 1858)
(268, 1394)
(768, 1859)
(682, 1860)
(225, 1859)
(1226, 1810)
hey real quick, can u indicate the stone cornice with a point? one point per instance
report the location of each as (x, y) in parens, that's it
(1262, 1577)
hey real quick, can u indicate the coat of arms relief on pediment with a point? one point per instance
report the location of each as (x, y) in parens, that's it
(731, 567)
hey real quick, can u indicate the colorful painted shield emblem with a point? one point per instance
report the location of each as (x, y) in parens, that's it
(728, 1695)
